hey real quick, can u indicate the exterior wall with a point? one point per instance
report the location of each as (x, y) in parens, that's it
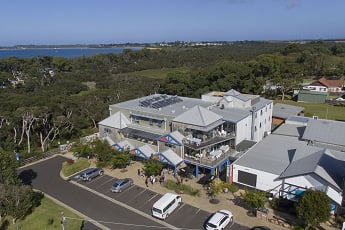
(311, 97)
(243, 129)
(262, 122)
(264, 182)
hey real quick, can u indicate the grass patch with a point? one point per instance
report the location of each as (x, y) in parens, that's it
(181, 188)
(69, 167)
(322, 110)
(159, 73)
(46, 216)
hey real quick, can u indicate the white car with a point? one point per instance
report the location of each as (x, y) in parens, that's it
(219, 220)
(340, 99)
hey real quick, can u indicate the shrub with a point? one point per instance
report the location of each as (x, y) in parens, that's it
(185, 188)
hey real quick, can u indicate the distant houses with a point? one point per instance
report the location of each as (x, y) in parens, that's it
(326, 85)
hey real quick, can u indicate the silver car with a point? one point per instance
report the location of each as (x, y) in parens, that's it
(121, 184)
(91, 173)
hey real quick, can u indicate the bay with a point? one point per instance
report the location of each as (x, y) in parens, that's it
(58, 52)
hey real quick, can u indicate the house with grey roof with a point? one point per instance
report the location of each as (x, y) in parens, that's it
(286, 163)
(203, 132)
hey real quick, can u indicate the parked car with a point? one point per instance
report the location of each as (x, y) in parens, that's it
(121, 184)
(340, 99)
(219, 220)
(91, 173)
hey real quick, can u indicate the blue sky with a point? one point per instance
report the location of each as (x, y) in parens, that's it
(114, 21)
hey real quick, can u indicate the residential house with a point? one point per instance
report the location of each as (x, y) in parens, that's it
(325, 85)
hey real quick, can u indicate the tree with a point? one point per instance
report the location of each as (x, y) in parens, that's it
(120, 159)
(8, 169)
(254, 198)
(314, 208)
(152, 167)
(102, 150)
(16, 200)
(216, 187)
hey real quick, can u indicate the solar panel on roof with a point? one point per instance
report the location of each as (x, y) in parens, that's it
(159, 101)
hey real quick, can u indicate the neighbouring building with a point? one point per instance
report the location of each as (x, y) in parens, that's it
(281, 112)
(312, 96)
(202, 133)
(325, 85)
(303, 153)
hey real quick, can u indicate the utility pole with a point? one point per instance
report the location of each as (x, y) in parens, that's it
(63, 221)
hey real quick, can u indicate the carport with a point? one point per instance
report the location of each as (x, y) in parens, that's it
(144, 151)
(171, 158)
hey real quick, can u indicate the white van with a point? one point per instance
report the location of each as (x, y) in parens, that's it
(163, 207)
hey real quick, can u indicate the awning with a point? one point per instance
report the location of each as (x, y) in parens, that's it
(207, 128)
(140, 133)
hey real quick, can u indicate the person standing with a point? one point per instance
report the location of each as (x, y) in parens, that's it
(138, 172)
(147, 182)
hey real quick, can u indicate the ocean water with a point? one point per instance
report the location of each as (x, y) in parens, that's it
(58, 52)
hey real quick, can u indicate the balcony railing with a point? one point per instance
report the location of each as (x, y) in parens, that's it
(208, 142)
(207, 160)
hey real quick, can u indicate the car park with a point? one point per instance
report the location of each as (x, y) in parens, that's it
(219, 220)
(91, 173)
(121, 184)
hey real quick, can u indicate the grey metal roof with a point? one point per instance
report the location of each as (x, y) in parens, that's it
(235, 94)
(174, 110)
(172, 157)
(177, 136)
(273, 154)
(290, 130)
(325, 163)
(297, 120)
(146, 150)
(198, 116)
(117, 120)
(325, 131)
(284, 110)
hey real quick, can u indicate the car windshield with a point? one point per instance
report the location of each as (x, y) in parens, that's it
(115, 185)
(211, 225)
(156, 210)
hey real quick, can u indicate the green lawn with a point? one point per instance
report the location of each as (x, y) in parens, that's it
(46, 216)
(77, 166)
(159, 73)
(322, 110)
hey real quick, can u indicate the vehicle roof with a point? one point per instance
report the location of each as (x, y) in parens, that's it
(218, 216)
(118, 181)
(163, 200)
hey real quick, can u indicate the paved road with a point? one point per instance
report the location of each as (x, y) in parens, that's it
(45, 177)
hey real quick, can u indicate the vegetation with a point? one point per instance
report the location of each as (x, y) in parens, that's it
(324, 110)
(71, 167)
(68, 105)
(45, 216)
(181, 188)
(314, 208)
(254, 198)
(152, 167)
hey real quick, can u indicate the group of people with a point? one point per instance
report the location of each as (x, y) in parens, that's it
(153, 179)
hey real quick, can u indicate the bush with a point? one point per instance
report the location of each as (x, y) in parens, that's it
(70, 161)
(184, 188)
(232, 187)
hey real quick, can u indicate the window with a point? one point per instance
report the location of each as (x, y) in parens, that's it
(261, 112)
(255, 128)
(106, 130)
(168, 206)
(260, 124)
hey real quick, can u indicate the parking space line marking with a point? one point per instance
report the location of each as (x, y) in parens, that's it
(104, 183)
(153, 197)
